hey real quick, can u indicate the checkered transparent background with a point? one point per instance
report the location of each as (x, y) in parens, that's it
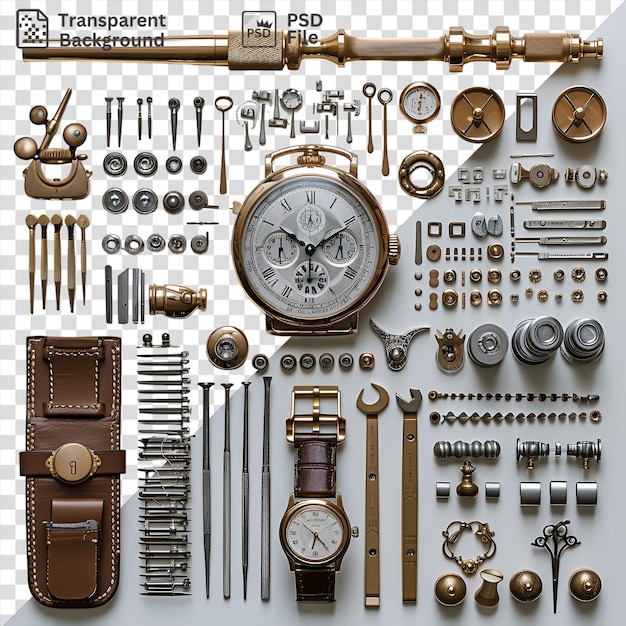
(26, 84)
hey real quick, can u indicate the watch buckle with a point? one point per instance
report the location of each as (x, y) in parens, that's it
(315, 420)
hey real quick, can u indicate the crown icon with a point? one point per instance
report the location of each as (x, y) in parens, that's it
(264, 24)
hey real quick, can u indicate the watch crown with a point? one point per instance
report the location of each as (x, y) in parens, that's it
(394, 250)
(354, 531)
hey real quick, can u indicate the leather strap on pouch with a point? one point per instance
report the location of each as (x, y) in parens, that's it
(72, 465)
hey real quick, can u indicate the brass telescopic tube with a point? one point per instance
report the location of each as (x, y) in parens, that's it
(455, 48)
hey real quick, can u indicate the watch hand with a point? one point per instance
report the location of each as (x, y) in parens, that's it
(319, 539)
(330, 234)
(292, 235)
(281, 250)
(340, 248)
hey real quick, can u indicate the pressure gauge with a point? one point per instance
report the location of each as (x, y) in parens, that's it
(420, 103)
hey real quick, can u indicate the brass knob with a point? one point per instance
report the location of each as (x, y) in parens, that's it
(525, 585)
(450, 589)
(487, 594)
(585, 585)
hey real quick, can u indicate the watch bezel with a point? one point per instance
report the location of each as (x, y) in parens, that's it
(295, 508)
(356, 188)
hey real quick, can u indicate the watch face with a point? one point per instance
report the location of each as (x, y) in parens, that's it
(314, 532)
(420, 102)
(310, 248)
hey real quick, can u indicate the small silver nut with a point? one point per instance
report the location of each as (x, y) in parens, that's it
(287, 362)
(327, 361)
(307, 361)
(346, 360)
(260, 362)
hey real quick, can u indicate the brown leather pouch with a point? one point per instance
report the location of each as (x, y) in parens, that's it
(72, 465)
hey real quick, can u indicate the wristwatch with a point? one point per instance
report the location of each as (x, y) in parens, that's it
(311, 245)
(315, 531)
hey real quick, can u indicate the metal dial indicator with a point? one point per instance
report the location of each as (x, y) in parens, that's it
(341, 249)
(420, 103)
(280, 250)
(315, 534)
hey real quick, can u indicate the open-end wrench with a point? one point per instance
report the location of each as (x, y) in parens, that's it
(409, 494)
(372, 537)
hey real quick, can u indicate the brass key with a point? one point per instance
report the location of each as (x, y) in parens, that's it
(385, 96)
(409, 495)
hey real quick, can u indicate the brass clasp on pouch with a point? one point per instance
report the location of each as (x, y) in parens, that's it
(73, 463)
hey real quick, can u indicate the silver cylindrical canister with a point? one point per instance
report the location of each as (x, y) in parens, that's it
(535, 340)
(487, 345)
(583, 341)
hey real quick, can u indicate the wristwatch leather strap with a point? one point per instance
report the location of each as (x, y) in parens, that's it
(315, 585)
(315, 465)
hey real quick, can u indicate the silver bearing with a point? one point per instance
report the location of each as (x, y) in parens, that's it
(173, 202)
(174, 165)
(327, 361)
(111, 244)
(145, 201)
(346, 360)
(155, 242)
(146, 164)
(133, 244)
(200, 244)
(198, 164)
(177, 244)
(198, 200)
(115, 164)
(115, 200)
(487, 345)
(260, 362)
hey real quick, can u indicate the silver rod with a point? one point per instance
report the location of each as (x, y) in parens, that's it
(265, 496)
(226, 494)
(245, 494)
(206, 481)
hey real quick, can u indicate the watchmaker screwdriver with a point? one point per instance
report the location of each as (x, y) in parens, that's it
(108, 115)
(265, 495)
(83, 223)
(70, 220)
(31, 222)
(120, 117)
(57, 222)
(198, 103)
(43, 221)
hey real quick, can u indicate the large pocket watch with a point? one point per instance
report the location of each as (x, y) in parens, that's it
(311, 245)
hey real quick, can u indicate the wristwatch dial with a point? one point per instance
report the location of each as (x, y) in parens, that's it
(315, 532)
(310, 248)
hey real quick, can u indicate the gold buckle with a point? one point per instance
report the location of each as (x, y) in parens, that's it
(316, 418)
(73, 463)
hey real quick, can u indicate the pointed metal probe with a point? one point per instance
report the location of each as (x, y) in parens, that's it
(149, 101)
(139, 121)
(43, 221)
(120, 118)
(199, 104)
(31, 222)
(70, 220)
(57, 222)
(174, 105)
(108, 114)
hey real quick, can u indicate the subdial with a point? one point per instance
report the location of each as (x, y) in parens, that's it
(341, 249)
(311, 220)
(280, 250)
(310, 278)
